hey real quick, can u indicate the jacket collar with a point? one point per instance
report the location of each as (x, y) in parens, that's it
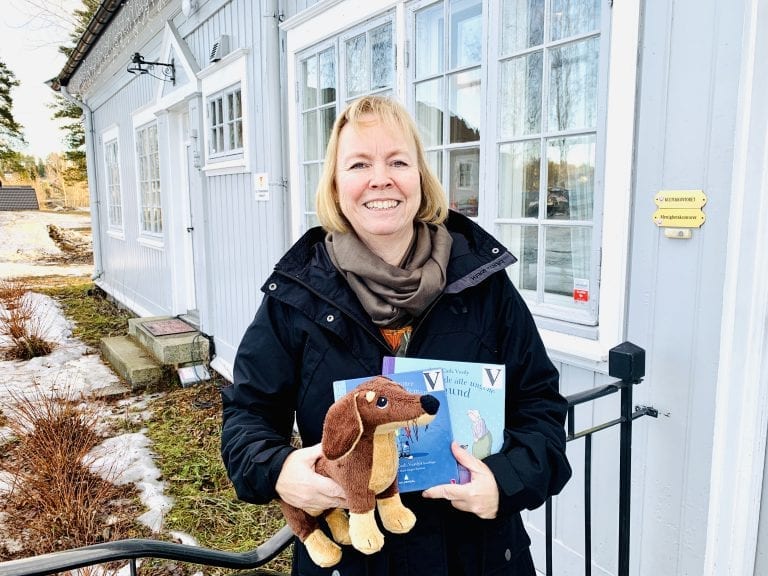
(475, 255)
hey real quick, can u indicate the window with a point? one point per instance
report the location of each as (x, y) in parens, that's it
(548, 70)
(510, 122)
(112, 180)
(148, 168)
(360, 61)
(447, 96)
(225, 123)
(224, 88)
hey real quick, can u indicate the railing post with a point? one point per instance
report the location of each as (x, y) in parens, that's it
(626, 362)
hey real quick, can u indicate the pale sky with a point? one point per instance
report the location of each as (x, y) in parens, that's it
(30, 33)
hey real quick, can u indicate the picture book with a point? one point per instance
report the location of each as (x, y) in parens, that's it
(425, 457)
(475, 392)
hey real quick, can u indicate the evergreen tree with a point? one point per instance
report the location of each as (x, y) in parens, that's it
(11, 132)
(64, 109)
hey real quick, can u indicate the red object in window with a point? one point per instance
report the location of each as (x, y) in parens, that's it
(581, 295)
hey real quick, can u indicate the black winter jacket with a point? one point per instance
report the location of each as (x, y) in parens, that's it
(311, 330)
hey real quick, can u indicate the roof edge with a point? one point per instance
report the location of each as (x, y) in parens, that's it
(93, 31)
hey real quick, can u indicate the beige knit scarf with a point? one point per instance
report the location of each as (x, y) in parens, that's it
(393, 295)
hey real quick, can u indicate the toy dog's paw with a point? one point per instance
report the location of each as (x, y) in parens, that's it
(394, 516)
(365, 535)
(338, 522)
(323, 551)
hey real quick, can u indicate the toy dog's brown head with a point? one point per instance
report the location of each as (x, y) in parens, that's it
(377, 406)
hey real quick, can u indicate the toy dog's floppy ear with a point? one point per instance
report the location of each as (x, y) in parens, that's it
(342, 427)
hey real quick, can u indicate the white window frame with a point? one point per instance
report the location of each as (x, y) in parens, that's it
(222, 77)
(222, 123)
(588, 351)
(111, 136)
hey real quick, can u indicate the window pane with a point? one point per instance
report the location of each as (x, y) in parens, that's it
(327, 76)
(571, 17)
(567, 264)
(239, 134)
(309, 82)
(523, 242)
(465, 106)
(522, 24)
(429, 41)
(311, 147)
(429, 111)
(435, 162)
(571, 177)
(465, 180)
(382, 65)
(230, 106)
(357, 66)
(238, 104)
(573, 85)
(519, 172)
(327, 117)
(466, 32)
(520, 98)
(311, 178)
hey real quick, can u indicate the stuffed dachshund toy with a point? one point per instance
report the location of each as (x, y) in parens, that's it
(360, 454)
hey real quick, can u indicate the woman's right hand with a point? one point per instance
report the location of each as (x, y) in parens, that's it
(300, 486)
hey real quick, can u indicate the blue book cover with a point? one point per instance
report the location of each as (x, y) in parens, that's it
(425, 453)
(475, 393)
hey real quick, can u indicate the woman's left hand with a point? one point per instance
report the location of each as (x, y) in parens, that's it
(479, 496)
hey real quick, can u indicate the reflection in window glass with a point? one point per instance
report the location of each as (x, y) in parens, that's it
(327, 76)
(466, 33)
(310, 135)
(567, 264)
(311, 178)
(429, 111)
(464, 186)
(465, 106)
(429, 40)
(382, 57)
(572, 17)
(309, 83)
(573, 85)
(570, 177)
(520, 98)
(357, 66)
(522, 24)
(519, 175)
(435, 162)
(523, 242)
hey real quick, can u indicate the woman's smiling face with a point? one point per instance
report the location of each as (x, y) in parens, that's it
(378, 182)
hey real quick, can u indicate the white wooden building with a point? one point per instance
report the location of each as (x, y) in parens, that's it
(555, 124)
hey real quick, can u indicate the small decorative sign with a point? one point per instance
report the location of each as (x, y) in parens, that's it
(680, 209)
(679, 217)
(680, 199)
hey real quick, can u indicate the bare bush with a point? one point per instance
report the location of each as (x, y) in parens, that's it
(56, 502)
(23, 323)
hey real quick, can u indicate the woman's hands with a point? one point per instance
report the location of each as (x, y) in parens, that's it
(300, 486)
(480, 496)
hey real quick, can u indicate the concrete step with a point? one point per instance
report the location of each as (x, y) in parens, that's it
(131, 361)
(171, 349)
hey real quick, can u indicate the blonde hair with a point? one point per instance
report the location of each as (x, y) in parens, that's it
(434, 206)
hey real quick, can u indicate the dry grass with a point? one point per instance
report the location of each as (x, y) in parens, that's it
(23, 323)
(56, 502)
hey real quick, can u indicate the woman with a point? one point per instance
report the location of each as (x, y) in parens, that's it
(392, 271)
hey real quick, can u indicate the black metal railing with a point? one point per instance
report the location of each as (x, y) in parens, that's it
(626, 362)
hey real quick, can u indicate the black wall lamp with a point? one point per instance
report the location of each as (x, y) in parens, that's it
(140, 66)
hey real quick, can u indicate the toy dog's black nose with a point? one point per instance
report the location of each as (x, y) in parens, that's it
(430, 404)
